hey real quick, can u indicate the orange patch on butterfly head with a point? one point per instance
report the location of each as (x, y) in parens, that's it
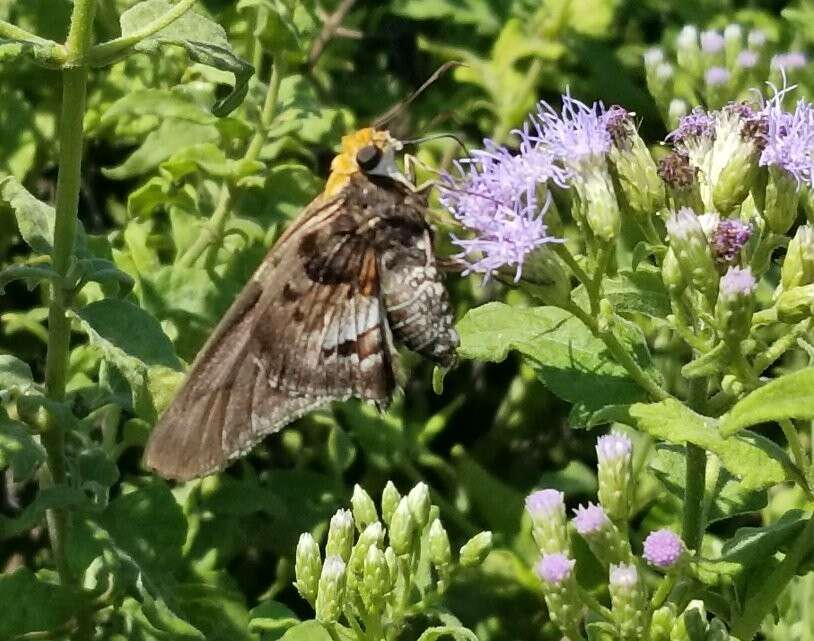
(344, 163)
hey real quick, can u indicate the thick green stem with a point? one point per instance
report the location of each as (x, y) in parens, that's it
(74, 89)
(761, 602)
(269, 111)
(694, 485)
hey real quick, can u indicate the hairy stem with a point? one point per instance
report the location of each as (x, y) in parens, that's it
(693, 525)
(798, 453)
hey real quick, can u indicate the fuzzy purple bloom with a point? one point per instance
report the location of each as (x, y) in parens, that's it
(590, 519)
(747, 59)
(789, 61)
(663, 548)
(675, 170)
(789, 138)
(554, 568)
(696, 124)
(545, 503)
(716, 76)
(728, 239)
(737, 282)
(623, 576)
(756, 38)
(711, 41)
(613, 446)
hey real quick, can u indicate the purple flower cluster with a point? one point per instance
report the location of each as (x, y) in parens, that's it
(738, 282)
(696, 124)
(663, 548)
(501, 196)
(555, 568)
(789, 138)
(589, 519)
(728, 239)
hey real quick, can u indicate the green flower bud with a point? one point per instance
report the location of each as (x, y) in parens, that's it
(307, 567)
(390, 500)
(676, 110)
(599, 205)
(340, 535)
(392, 564)
(547, 511)
(565, 609)
(418, 499)
(635, 172)
(402, 528)
(331, 590)
(671, 274)
(364, 510)
(602, 535)
(476, 549)
(796, 304)
(376, 580)
(629, 605)
(798, 266)
(688, 50)
(545, 276)
(734, 162)
(440, 551)
(689, 243)
(614, 473)
(781, 200)
(372, 536)
(661, 623)
(717, 631)
(736, 303)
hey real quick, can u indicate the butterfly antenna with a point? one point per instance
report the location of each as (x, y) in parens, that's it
(399, 107)
(455, 137)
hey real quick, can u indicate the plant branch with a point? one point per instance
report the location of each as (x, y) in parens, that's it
(796, 447)
(109, 51)
(782, 345)
(329, 27)
(13, 32)
(692, 527)
(269, 112)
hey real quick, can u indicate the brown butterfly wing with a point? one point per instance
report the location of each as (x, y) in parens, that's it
(308, 329)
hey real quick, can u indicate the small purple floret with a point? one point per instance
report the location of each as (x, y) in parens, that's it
(623, 576)
(613, 447)
(728, 239)
(545, 503)
(716, 76)
(747, 59)
(590, 519)
(663, 548)
(554, 568)
(756, 38)
(696, 124)
(789, 138)
(789, 61)
(738, 282)
(711, 41)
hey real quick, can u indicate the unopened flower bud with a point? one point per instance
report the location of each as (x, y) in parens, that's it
(390, 500)
(661, 623)
(676, 110)
(376, 579)
(599, 205)
(556, 571)
(756, 38)
(340, 535)
(307, 567)
(602, 536)
(671, 274)
(716, 631)
(688, 50)
(733, 42)
(331, 590)
(371, 536)
(392, 564)
(796, 304)
(627, 600)
(736, 302)
(688, 241)
(798, 266)
(402, 528)
(440, 551)
(364, 510)
(546, 277)
(547, 511)
(419, 501)
(476, 549)
(635, 172)
(663, 549)
(614, 471)
(734, 158)
(780, 201)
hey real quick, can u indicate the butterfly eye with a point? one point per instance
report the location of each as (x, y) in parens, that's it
(368, 157)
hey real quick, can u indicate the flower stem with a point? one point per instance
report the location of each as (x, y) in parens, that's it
(692, 527)
(761, 602)
(782, 345)
(269, 112)
(74, 90)
(796, 447)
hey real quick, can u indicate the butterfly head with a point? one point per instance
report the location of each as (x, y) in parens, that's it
(368, 151)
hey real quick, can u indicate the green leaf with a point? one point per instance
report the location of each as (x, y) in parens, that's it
(100, 270)
(729, 497)
(748, 457)
(788, 397)
(35, 219)
(15, 375)
(459, 633)
(272, 619)
(33, 275)
(204, 40)
(130, 329)
(751, 545)
(712, 362)
(45, 53)
(59, 497)
(483, 15)
(32, 605)
(640, 292)
(157, 102)
(19, 450)
(568, 359)
(307, 631)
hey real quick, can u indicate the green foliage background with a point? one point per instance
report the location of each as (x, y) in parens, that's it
(213, 559)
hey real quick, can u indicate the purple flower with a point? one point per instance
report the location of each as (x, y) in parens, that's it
(711, 41)
(738, 282)
(544, 504)
(577, 134)
(696, 124)
(684, 225)
(554, 568)
(613, 447)
(623, 576)
(747, 59)
(789, 61)
(789, 138)
(675, 170)
(663, 548)
(756, 38)
(728, 239)
(716, 76)
(590, 519)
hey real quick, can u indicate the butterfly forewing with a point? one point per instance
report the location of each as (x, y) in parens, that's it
(312, 327)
